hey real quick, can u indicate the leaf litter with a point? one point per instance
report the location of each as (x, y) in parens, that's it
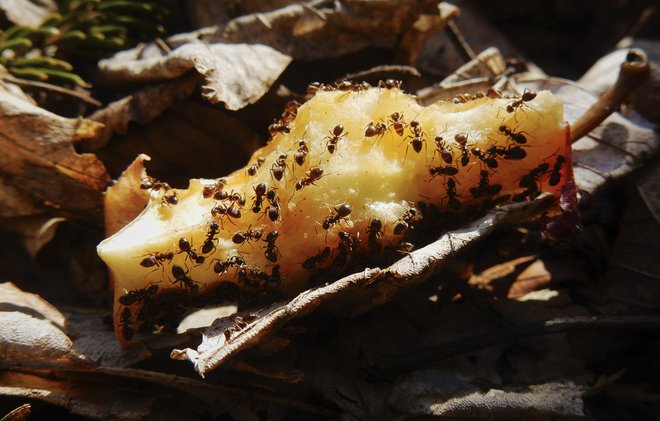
(421, 301)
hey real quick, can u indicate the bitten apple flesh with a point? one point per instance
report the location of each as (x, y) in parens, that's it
(346, 174)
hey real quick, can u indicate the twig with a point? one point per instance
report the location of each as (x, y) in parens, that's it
(54, 88)
(456, 37)
(417, 358)
(634, 71)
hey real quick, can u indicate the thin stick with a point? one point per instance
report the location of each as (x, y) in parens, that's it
(634, 71)
(53, 88)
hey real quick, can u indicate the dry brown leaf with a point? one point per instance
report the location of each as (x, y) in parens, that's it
(441, 393)
(26, 12)
(41, 170)
(19, 414)
(352, 295)
(325, 29)
(232, 74)
(31, 330)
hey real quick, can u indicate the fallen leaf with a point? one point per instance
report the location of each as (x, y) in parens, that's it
(320, 29)
(31, 330)
(19, 414)
(27, 12)
(40, 167)
(454, 394)
(232, 74)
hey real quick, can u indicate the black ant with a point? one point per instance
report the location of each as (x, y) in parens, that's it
(260, 192)
(312, 175)
(443, 149)
(454, 203)
(301, 153)
(181, 276)
(517, 137)
(450, 171)
(526, 97)
(489, 160)
(348, 241)
(375, 232)
(390, 84)
(150, 183)
(312, 262)
(418, 136)
(278, 127)
(530, 183)
(209, 245)
(210, 189)
(252, 169)
(138, 295)
(170, 199)
(341, 212)
(555, 175)
(241, 237)
(156, 259)
(273, 210)
(271, 252)
(290, 111)
(185, 247)
(403, 223)
(278, 167)
(485, 188)
(397, 123)
(378, 129)
(221, 267)
(221, 210)
(512, 153)
(461, 139)
(125, 321)
(335, 136)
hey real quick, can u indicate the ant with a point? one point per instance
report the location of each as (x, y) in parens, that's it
(341, 212)
(170, 199)
(301, 153)
(273, 210)
(221, 267)
(210, 189)
(252, 170)
(185, 247)
(335, 136)
(403, 223)
(378, 129)
(241, 237)
(443, 149)
(512, 153)
(348, 241)
(450, 171)
(461, 139)
(278, 167)
(489, 160)
(156, 259)
(314, 174)
(260, 192)
(555, 175)
(271, 252)
(221, 210)
(390, 84)
(375, 233)
(418, 136)
(150, 183)
(209, 245)
(138, 295)
(485, 188)
(454, 203)
(125, 321)
(278, 127)
(525, 97)
(312, 262)
(397, 123)
(530, 183)
(181, 276)
(290, 111)
(517, 137)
